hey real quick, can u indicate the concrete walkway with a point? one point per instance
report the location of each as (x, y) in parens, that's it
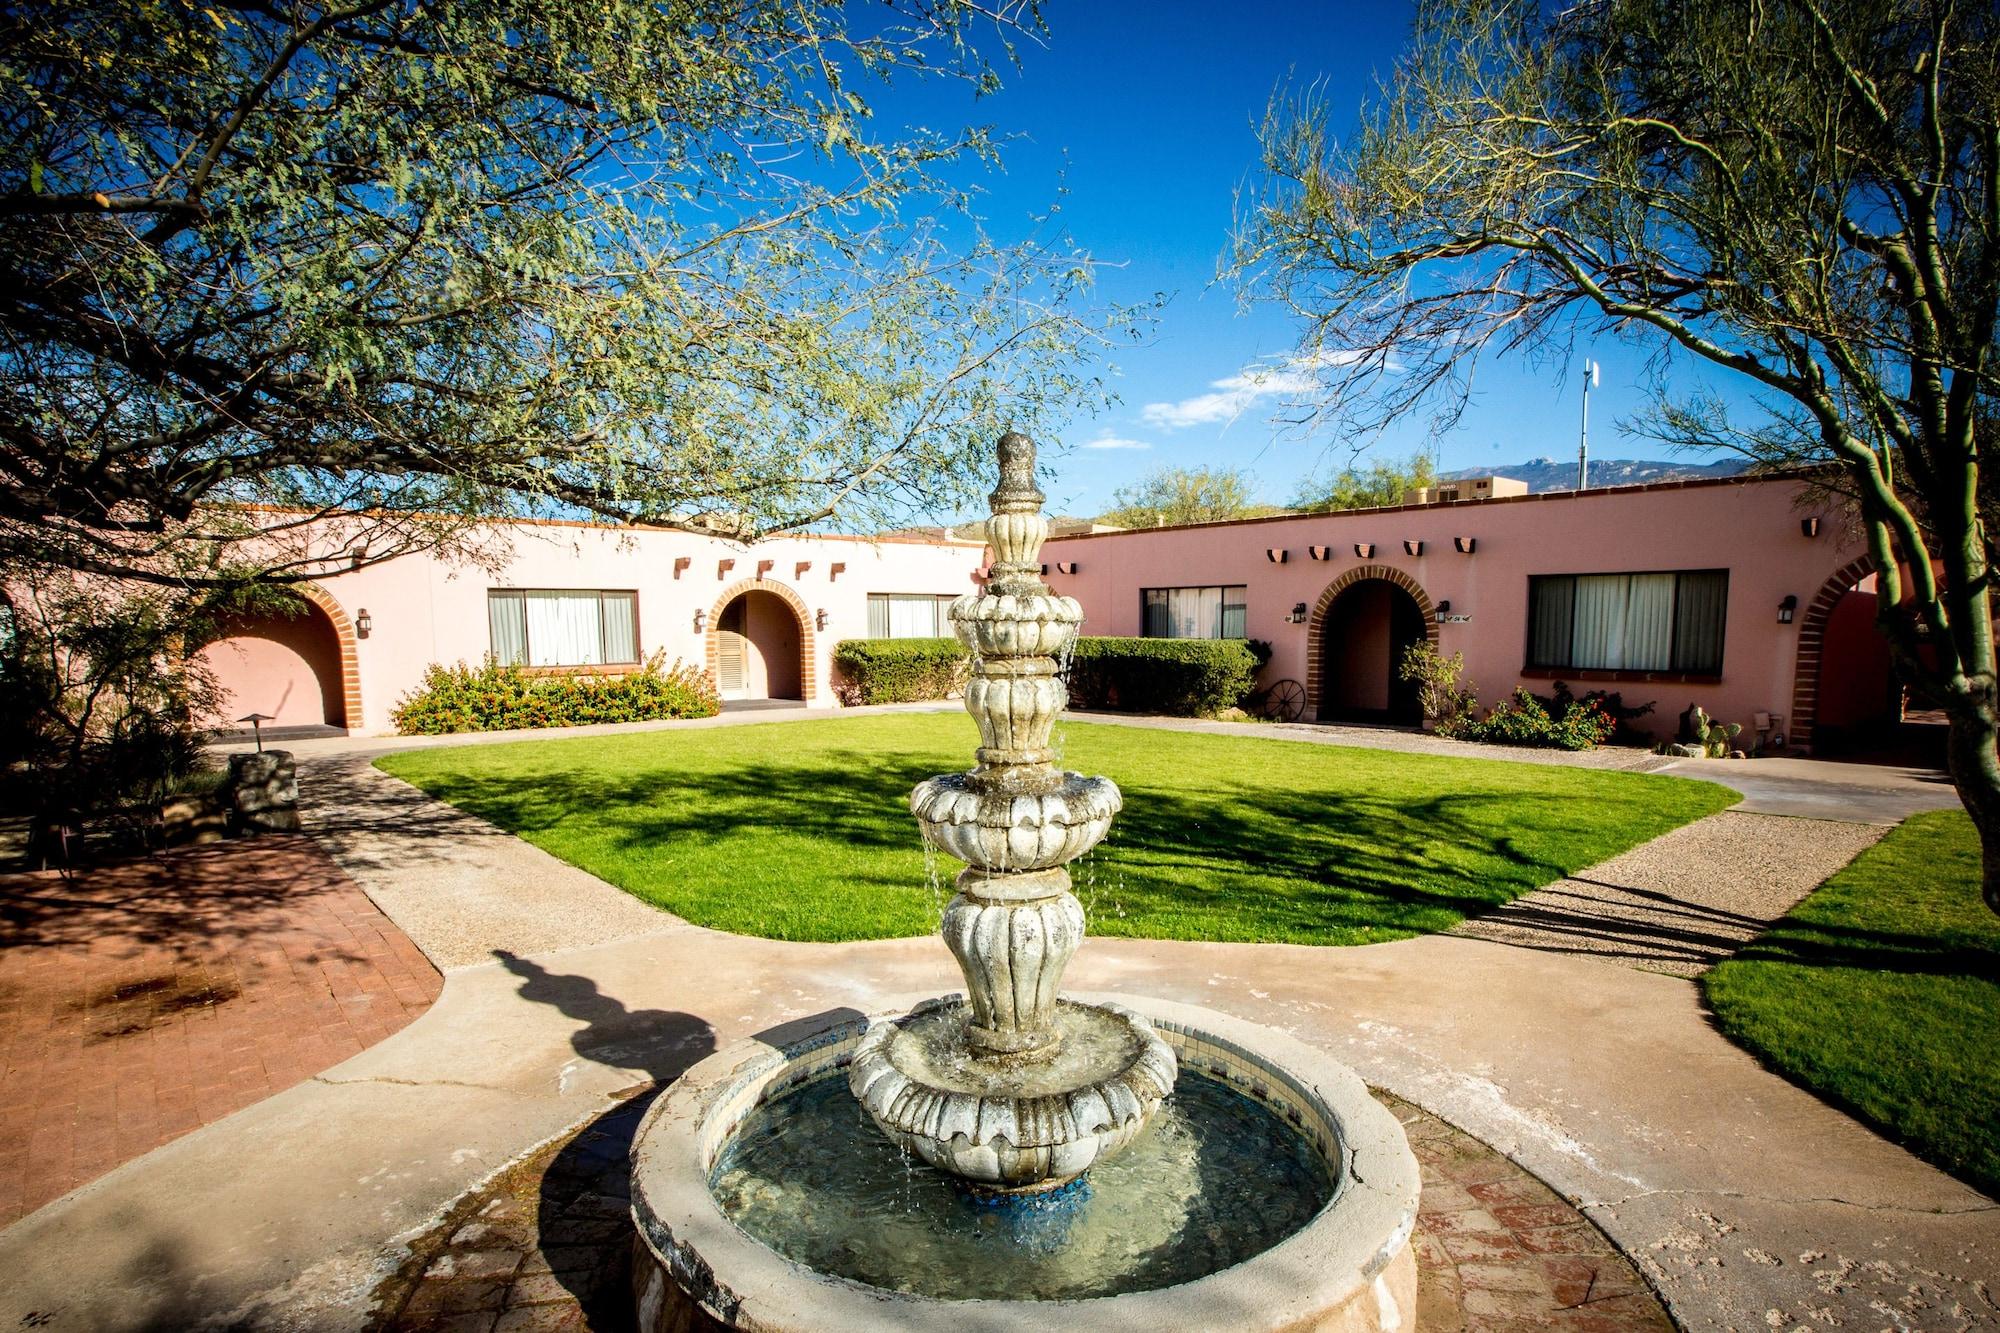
(1747, 1201)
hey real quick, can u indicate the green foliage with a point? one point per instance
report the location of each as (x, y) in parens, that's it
(1221, 838)
(1716, 739)
(1878, 993)
(1610, 702)
(420, 263)
(497, 697)
(1178, 677)
(1383, 482)
(890, 671)
(1524, 720)
(1174, 495)
(1447, 705)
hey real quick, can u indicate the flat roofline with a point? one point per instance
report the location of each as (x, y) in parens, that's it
(526, 521)
(1791, 475)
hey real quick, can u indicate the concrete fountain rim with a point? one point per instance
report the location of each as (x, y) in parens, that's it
(1350, 1266)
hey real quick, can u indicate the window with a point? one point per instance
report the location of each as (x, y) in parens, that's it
(1628, 622)
(545, 627)
(897, 615)
(1192, 613)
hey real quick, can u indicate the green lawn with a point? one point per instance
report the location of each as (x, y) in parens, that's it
(1881, 992)
(802, 830)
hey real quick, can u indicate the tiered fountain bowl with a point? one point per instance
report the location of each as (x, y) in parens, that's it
(975, 1174)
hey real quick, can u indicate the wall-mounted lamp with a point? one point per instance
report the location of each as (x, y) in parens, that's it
(364, 624)
(1443, 610)
(1810, 527)
(1413, 548)
(1465, 545)
(819, 618)
(1364, 550)
(1065, 566)
(356, 554)
(1298, 615)
(1321, 552)
(1786, 609)
(1277, 555)
(1045, 569)
(700, 619)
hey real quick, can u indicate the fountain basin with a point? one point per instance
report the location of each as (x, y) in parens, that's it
(1349, 1266)
(1008, 832)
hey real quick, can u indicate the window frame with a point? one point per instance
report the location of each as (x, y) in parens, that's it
(1530, 670)
(943, 620)
(607, 666)
(1222, 610)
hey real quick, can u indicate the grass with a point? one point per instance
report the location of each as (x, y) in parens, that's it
(802, 830)
(1881, 993)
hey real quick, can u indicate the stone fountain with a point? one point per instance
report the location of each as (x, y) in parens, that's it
(1016, 1090)
(1012, 1157)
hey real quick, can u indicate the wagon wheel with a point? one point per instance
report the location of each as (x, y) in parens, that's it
(1285, 701)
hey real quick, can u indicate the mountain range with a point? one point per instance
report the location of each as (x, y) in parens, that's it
(1559, 474)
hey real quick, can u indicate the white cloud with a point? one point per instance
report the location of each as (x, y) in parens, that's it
(1106, 440)
(1234, 394)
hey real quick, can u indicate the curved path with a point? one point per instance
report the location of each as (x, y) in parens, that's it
(1747, 1201)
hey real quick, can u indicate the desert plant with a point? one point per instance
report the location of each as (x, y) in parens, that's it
(1716, 739)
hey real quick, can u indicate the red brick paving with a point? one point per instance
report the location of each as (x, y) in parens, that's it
(142, 999)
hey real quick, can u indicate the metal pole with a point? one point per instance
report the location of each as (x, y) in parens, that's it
(1583, 434)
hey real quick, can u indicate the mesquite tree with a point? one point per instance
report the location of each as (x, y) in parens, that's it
(1803, 193)
(410, 263)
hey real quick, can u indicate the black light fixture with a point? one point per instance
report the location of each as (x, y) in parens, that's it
(1364, 550)
(1465, 545)
(1810, 527)
(1065, 566)
(819, 618)
(1277, 555)
(1045, 569)
(364, 623)
(1786, 608)
(1298, 615)
(1443, 610)
(1321, 552)
(700, 619)
(1413, 548)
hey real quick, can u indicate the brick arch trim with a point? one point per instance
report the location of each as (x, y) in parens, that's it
(1315, 627)
(808, 648)
(1812, 638)
(344, 637)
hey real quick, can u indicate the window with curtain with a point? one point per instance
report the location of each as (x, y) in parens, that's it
(900, 615)
(1628, 622)
(1193, 613)
(556, 627)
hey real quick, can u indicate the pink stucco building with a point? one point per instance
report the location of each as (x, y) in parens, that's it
(1741, 595)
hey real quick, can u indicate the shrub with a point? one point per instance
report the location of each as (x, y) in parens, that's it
(1612, 702)
(1180, 677)
(1447, 705)
(497, 697)
(1522, 720)
(895, 671)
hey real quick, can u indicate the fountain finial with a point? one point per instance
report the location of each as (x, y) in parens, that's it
(1017, 490)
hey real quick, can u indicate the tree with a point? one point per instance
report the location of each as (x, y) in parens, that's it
(1804, 194)
(409, 264)
(1184, 495)
(1384, 481)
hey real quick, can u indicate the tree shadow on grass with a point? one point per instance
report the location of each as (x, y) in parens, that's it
(1243, 859)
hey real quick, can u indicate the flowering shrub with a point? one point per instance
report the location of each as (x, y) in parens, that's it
(497, 697)
(1522, 720)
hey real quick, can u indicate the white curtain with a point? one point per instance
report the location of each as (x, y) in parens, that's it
(1649, 623)
(1598, 637)
(621, 627)
(912, 617)
(1197, 612)
(507, 618)
(564, 629)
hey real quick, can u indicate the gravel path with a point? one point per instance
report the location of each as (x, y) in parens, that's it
(1684, 901)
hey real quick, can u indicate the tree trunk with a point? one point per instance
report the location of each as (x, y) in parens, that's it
(1975, 771)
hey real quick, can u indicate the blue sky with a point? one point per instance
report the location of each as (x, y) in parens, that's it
(1146, 115)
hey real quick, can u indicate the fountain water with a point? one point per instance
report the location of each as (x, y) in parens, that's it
(1120, 1163)
(1016, 1090)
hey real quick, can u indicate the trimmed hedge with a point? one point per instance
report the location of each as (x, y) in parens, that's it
(493, 697)
(1178, 677)
(896, 671)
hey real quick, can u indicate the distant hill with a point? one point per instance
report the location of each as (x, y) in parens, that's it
(1559, 474)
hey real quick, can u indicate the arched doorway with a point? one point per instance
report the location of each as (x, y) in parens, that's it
(294, 664)
(1848, 702)
(758, 646)
(1366, 620)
